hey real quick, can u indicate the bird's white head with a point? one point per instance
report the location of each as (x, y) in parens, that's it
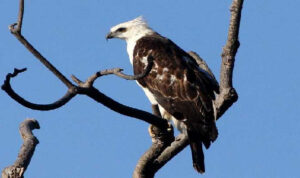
(130, 30)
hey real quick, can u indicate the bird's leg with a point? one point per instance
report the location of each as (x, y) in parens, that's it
(155, 110)
(161, 139)
(158, 135)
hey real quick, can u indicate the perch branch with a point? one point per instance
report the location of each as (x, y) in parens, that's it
(147, 166)
(181, 141)
(116, 71)
(123, 109)
(18, 169)
(161, 139)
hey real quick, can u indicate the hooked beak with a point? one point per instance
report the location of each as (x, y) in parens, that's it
(110, 35)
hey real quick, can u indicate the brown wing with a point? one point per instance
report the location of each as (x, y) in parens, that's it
(176, 81)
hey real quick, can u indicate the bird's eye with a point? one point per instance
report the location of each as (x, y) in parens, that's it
(122, 29)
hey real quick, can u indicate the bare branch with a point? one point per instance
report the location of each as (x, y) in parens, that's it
(232, 45)
(161, 139)
(116, 71)
(134, 77)
(18, 169)
(123, 109)
(15, 29)
(84, 87)
(89, 91)
(147, 166)
(228, 95)
(43, 107)
(181, 141)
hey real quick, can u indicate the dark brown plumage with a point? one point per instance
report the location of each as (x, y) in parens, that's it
(181, 88)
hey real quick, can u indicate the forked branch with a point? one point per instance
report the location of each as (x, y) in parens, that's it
(85, 88)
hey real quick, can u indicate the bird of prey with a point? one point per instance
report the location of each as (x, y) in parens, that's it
(183, 91)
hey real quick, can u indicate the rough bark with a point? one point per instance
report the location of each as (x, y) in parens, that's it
(18, 169)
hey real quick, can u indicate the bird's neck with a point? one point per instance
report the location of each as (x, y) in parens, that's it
(131, 42)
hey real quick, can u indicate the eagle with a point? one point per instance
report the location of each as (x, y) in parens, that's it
(183, 91)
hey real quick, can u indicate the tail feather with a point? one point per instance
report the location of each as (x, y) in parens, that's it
(197, 153)
(209, 134)
(214, 132)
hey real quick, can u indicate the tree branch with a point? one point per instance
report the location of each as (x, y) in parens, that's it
(42, 107)
(16, 29)
(123, 109)
(116, 71)
(85, 88)
(161, 139)
(228, 95)
(180, 142)
(18, 169)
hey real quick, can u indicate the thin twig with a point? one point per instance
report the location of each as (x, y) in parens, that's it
(18, 169)
(20, 16)
(115, 71)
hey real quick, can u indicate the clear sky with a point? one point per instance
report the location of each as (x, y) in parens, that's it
(258, 136)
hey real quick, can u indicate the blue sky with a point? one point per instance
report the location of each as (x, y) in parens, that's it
(259, 135)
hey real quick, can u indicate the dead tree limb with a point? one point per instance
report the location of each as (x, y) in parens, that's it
(228, 95)
(18, 169)
(85, 88)
(164, 146)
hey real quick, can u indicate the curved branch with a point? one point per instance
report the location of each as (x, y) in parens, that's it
(43, 107)
(116, 71)
(141, 75)
(26, 152)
